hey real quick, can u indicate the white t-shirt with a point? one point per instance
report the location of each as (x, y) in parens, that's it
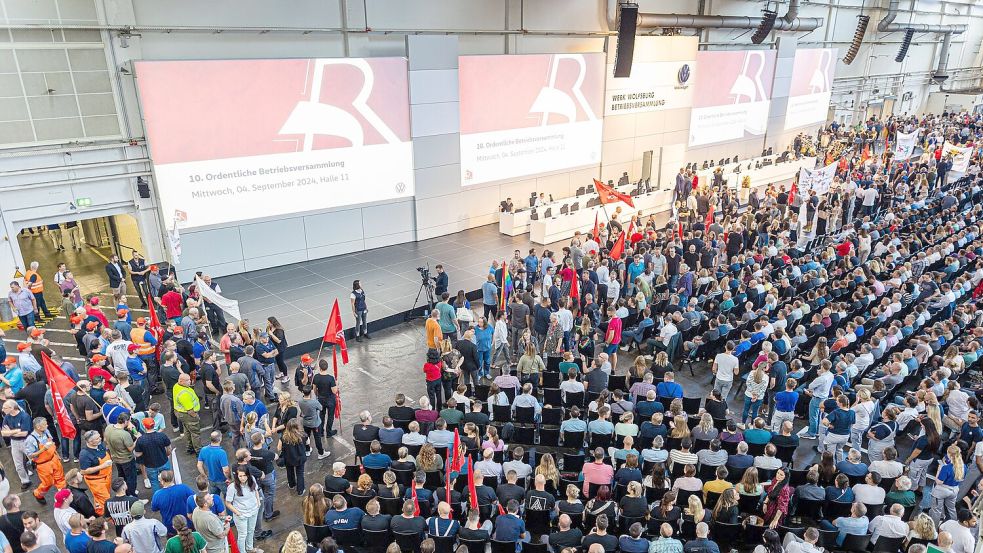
(726, 363)
(962, 537)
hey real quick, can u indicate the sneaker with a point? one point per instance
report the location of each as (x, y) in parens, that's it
(25, 486)
(324, 455)
(808, 436)
(41, 500)
(272, 516)
(308, 453)
(146, 483)
(65, 459)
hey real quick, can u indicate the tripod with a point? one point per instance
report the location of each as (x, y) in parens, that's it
(427, 288)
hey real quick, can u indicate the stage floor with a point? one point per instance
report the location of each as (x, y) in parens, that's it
(300, 295)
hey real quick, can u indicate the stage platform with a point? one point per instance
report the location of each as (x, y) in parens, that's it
(300, 295)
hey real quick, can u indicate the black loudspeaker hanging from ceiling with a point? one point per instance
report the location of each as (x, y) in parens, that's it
(858, 38)
(627, 23)
(765, 27)
(903, 51)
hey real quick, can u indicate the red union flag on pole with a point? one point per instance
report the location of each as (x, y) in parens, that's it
(61, 385)
(335, 332)
(609, 195)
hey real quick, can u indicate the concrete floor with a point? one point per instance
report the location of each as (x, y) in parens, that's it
(379, 368)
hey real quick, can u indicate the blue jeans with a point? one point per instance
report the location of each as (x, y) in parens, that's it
(362, 323)
(269, 377)
(484, 362)
(152, 475)
(268, 485)
(27, 320)
(814, 404)
(751, 406)
(66, 449)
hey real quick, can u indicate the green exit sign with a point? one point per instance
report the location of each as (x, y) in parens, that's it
(83, 202)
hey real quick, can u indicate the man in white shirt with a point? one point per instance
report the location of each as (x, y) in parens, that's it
(961, 531)
(869, 492)
(805, 544)
(889, 525)
(44, 533)
(888, 467)
(668, 331)
(571, 385)
(958, 403)
(488, 466)
(725, 367)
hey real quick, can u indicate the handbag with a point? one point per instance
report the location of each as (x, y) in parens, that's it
(465, 315)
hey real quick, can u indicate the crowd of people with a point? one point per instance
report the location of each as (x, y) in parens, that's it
(555, 420)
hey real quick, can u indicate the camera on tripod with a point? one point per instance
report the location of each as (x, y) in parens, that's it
(426, 290)
(424, 273)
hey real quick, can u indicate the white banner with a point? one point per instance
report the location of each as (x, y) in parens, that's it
(225, 304)
(174, 240)
(904, 145)
(653, 86)
(960, 156)
(818, 180)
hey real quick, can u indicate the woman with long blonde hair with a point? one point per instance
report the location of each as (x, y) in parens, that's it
(547, 467)
(705, 429)
(695, 511)
(952, 472)
(315, 505)
(680, 429)
(933, 411)
(295, 543)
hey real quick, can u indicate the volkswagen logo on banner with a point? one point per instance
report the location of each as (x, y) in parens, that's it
(683, 74)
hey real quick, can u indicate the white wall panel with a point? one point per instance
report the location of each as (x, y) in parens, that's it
(433, 86)
(432, 119)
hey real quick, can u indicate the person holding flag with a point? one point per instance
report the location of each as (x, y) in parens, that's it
(334, 334)
(489, 295)
(61, 385)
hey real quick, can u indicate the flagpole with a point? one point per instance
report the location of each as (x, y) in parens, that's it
(319, 350)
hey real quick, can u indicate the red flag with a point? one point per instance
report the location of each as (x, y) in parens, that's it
(597, 229)
(619, 248)
(609, 195)
(416, 502)
(335, 332)
(501, 510)
(709, 220)
(792, 191)
(337, 403)
(455, 465)
(575, 289)
(233, 545)
(680, 229)
(61, 385)
(472, 491)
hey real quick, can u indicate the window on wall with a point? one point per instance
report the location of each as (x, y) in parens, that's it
(55, 85)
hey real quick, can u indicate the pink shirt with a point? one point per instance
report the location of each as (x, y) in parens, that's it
(614, 330)
(597, 474)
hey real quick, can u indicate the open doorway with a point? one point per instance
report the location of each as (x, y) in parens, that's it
(85, 247)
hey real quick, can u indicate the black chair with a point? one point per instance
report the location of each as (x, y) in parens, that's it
(572, 463)
(474, 546)
(748, 504)
(827, 539)
(404, 477)
(361, 448)
(551, 415)
(443, 544)
(811, 509)
(392, 506)
(375, 474)
(574, 398)
(376, 541)
(552, 396)
(572, 439)
(538, 547)
(854, 543)
(408, 542)
(435, 479)
(524, 415)
(712, 498)
(502, 413)
(786, 454)
(537, 522)
(549, 437)
(886, 545)
(797, 477)
(503, 546)
(525, 435)
(347, 538)
(726, 535)
(316, 533)
(753, 535)
(599, 440)
(836, 509)
(874, 510)
(691, 405)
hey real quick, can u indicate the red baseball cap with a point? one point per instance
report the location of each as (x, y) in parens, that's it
(23, 346)
(91, 325)
(141, 321)
(94, 300)
(178, 331)
(11, 360)
(132, 347)
(148, 423)
(306, 358)
(122, 312)
(37, 332)
(98, 357)
(61, 496)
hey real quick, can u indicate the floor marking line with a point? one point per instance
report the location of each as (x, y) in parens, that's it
(367, 373)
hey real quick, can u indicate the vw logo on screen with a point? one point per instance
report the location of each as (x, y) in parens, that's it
(683, 74)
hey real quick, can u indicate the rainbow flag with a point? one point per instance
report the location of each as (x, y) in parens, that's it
(506, 285)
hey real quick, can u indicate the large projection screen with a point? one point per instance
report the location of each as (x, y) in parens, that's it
(529, 114)
(812, 87)
(234, 140)
(732, 97)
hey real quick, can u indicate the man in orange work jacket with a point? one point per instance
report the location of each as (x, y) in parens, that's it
(41, 449)
(34, 283)
(97, 468)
